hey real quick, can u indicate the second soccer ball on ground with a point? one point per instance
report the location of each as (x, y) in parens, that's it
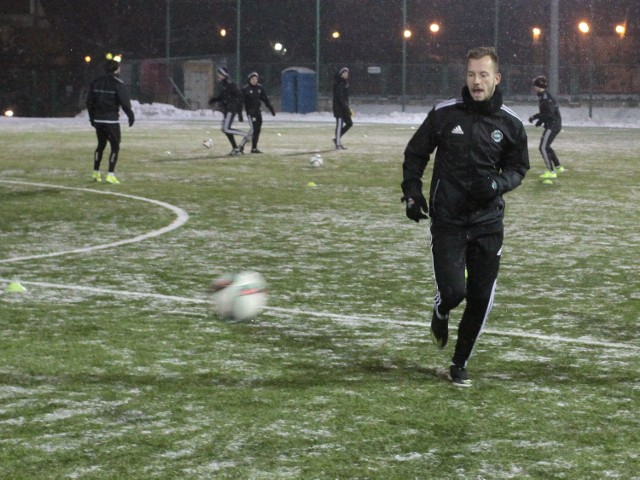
(316, 161)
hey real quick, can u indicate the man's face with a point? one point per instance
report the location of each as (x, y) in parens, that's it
(345, 75)
(253, 80)
(482, 78)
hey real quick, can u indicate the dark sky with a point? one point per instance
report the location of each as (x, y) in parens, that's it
(370, 29)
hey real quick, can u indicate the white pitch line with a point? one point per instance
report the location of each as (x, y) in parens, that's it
(181, 219)
(346, 319)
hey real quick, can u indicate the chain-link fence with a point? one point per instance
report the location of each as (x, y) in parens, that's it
(188, 82)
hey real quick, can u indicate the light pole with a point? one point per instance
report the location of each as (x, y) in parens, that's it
(585, 28)
(317, 48)
(167, 45)
(238, 64)
(405, 34)
(554, 77)
(496, 23)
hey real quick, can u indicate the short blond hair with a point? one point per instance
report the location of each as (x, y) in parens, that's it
(480, 52)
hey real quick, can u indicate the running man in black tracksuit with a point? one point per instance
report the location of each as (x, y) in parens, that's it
(341, 109)
(549, 116)
(106, 95)
(254, 94)
(229, 100)
(481, 154)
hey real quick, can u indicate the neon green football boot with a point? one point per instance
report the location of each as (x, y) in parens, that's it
(111, 178)
(548, 174)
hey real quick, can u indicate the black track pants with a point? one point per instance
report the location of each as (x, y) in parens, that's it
(230, 132)
(255, 123)
(548, 154)
(343, 124)
(453, 250)
(107, 132)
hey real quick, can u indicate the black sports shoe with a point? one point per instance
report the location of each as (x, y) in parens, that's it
(439, 330)
(459, 376)
(255, 150)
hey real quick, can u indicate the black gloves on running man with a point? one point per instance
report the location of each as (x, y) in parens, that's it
(417, 207)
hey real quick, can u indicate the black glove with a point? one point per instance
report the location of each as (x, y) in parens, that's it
(273, 112)
(213, 100)
(531, 119)
(417, 207)
(131, 120)
(484, 189)
(539, 122)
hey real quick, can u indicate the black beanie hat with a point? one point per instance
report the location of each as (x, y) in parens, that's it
(223, 71)
(111, 66)
(251, 75)
(540, 81)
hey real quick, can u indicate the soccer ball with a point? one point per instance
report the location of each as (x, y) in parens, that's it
(208, 143)
(239, 297)
(316, 160)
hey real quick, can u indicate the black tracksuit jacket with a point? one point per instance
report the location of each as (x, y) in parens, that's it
(106, 95)
(229, 98)
(341, 98)
(549, 115)
(253, 96)
(473, 139)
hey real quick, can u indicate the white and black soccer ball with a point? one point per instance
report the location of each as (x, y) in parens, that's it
(239, 297)
(316, 160)
(208, 143)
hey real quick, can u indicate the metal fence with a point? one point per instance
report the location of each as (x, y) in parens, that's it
(60, 91)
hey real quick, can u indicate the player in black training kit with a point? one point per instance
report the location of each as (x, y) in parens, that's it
(229, 100)
(106, 95)
(481, 155)
(341, 109)
(549, 117)
(255, 94)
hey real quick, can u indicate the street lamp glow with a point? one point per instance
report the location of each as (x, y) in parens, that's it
(278, 47)
(87, 59)
(8, 113)
(434, 27)
(335, 35)
(620, 30)
(223, 32)
(407, 33)
(583, 27)
(536, 33)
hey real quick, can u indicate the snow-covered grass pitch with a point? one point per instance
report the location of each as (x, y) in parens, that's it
(113, 367)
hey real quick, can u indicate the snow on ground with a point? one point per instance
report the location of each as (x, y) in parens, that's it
(413, 115)
(612, 117)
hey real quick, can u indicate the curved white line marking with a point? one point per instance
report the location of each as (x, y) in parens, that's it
(351, 320)
(181, 219)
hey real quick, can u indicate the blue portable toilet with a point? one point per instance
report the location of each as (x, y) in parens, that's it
(298, 91)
